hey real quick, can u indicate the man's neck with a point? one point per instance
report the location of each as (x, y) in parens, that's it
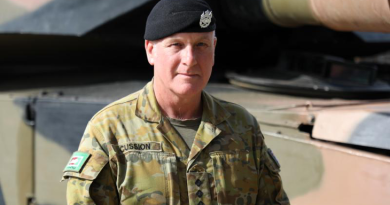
(179, 107)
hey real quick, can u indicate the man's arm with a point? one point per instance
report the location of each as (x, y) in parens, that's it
(100, 191)
(270, 190)
(94, 182)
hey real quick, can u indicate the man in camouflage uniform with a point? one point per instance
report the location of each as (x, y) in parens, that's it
(134, 152)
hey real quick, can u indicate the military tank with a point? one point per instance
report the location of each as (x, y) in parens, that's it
(315, 74)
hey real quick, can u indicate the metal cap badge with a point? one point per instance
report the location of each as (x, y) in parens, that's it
(205, 19)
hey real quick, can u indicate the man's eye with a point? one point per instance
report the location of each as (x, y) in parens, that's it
(202, 45)
(175, 45)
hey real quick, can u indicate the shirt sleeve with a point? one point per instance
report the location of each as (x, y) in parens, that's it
(94, 183)
(101, 191)
(270, 190)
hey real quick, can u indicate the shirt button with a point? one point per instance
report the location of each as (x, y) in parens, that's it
(200, 203)
(198, 182)
(199, 194)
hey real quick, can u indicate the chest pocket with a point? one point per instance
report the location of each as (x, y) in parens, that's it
(149, 178)
(235, 177)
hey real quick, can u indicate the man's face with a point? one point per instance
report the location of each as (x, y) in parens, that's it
(182, 62)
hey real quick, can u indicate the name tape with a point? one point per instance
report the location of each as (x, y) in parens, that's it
(141, 146)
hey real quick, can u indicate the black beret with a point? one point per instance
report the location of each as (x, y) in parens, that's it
(176, 16)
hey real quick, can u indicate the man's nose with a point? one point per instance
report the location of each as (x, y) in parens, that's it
(189, 56)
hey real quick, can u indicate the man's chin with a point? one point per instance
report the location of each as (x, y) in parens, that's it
(188, 89)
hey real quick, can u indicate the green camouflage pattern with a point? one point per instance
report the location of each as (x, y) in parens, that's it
(228, 162)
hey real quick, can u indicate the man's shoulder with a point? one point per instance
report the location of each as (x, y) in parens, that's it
(236, 111)
(123, 106)
(238, 120)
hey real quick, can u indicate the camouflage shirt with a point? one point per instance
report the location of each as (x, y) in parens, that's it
(136, 157)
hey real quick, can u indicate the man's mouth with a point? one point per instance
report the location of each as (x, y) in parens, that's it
(188, 74)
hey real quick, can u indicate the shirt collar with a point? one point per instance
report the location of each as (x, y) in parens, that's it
(148, 109)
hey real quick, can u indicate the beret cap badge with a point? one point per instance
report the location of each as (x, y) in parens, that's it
(205, 19)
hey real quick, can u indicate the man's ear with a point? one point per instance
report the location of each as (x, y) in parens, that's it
(215, 42)
(149, 46)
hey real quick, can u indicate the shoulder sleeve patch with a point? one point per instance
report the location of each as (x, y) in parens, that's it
(77, 161)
